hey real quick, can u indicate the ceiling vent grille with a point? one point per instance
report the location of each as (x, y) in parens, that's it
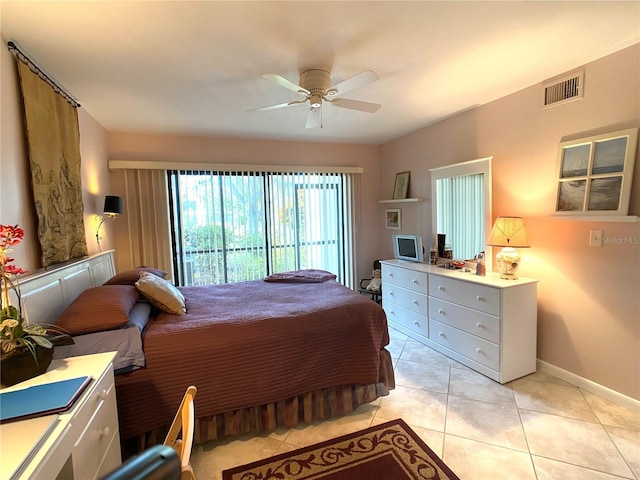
(565, 89)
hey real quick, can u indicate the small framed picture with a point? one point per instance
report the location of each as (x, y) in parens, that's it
(401, 187)
(392, 218)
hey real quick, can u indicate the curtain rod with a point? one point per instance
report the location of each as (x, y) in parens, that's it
(38, 71)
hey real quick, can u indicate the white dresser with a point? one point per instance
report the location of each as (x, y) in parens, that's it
(485, 323)
(82, 443)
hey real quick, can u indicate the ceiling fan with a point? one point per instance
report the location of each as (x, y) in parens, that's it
(315, 85)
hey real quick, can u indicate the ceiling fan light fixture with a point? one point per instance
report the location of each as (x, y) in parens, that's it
(315, 100)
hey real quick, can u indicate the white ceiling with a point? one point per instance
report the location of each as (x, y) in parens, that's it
(194, 67)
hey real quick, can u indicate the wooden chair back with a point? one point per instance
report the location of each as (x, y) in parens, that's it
(184, 422)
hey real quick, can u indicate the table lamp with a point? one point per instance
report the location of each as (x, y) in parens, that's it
(510, 233)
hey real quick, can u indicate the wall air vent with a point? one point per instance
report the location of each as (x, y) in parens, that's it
(563, 89)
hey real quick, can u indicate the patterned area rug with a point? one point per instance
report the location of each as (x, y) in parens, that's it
(387, 451)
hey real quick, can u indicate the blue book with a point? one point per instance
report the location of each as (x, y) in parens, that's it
(40, 400)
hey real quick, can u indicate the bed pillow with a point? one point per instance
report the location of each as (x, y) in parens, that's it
(126, 341)
(130, 277)
(99, 308)
(139, 315)
(161, 294)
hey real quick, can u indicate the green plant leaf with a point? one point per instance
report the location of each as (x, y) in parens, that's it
(42, 341)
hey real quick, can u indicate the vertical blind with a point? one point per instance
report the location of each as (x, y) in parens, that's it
(463, 221)
(235, 226)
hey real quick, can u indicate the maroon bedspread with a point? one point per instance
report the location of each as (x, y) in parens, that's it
(251, 343)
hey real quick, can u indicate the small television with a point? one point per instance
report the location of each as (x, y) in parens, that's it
(408, 247)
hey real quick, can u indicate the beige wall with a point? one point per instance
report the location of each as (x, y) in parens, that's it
(174, 148)
(589, 298)
(15, 196)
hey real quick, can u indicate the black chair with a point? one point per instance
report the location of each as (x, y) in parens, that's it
(159, 462)
(376, 295)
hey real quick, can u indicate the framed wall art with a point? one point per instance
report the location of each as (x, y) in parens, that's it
(392, 218)
(594, 174)
(401, 187)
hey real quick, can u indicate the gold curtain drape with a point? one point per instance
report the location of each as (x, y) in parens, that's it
(148, 238)
(53, 140)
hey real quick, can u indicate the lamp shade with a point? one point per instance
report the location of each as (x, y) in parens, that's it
(509, 232)
(112, 204)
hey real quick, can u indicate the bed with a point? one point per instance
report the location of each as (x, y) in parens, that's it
(262, 354)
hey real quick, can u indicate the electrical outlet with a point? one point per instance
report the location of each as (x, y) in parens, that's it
(595, 238)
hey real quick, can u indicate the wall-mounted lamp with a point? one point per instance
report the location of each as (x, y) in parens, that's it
(112, 208)
(510, 233)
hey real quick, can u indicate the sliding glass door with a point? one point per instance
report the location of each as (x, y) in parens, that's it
(237, 226)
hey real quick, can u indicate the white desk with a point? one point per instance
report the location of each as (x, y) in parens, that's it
(82, 444)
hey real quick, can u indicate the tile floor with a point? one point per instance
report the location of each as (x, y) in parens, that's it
(535, 428)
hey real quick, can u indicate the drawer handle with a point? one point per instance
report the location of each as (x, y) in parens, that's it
(480, 298)
(391, 294)
(415, 302)
(104, 433)
(479, 351)
(391, 274)
(441, 311)
(479, 325)
(441, 288)
(415, 281)
(103, 394)
(391, 312)
(442, 334)
(416, 324)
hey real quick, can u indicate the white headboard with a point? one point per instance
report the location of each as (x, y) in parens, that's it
(46, 294)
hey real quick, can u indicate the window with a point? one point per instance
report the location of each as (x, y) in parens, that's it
(461, 203)
(237, 226)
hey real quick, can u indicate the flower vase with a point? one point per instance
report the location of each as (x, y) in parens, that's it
(20, 366)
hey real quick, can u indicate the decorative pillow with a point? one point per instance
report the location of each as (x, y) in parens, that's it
(130, 277)
(161, 294)
(99, 308)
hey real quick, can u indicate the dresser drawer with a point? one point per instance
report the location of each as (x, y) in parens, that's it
(98, 437)
(475, 322)
(95, 394)
(405, 278)
(409, 299)
(475, 348)
(406, 318)
(472, 295)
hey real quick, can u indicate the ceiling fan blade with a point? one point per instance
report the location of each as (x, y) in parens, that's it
(359, 80)
(283, 82)
(355, 105)
(278, 105)
(314, 117)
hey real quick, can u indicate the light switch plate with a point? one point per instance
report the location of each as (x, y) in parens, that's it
(595, 238)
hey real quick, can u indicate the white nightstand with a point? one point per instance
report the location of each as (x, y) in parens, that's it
(83, 443)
